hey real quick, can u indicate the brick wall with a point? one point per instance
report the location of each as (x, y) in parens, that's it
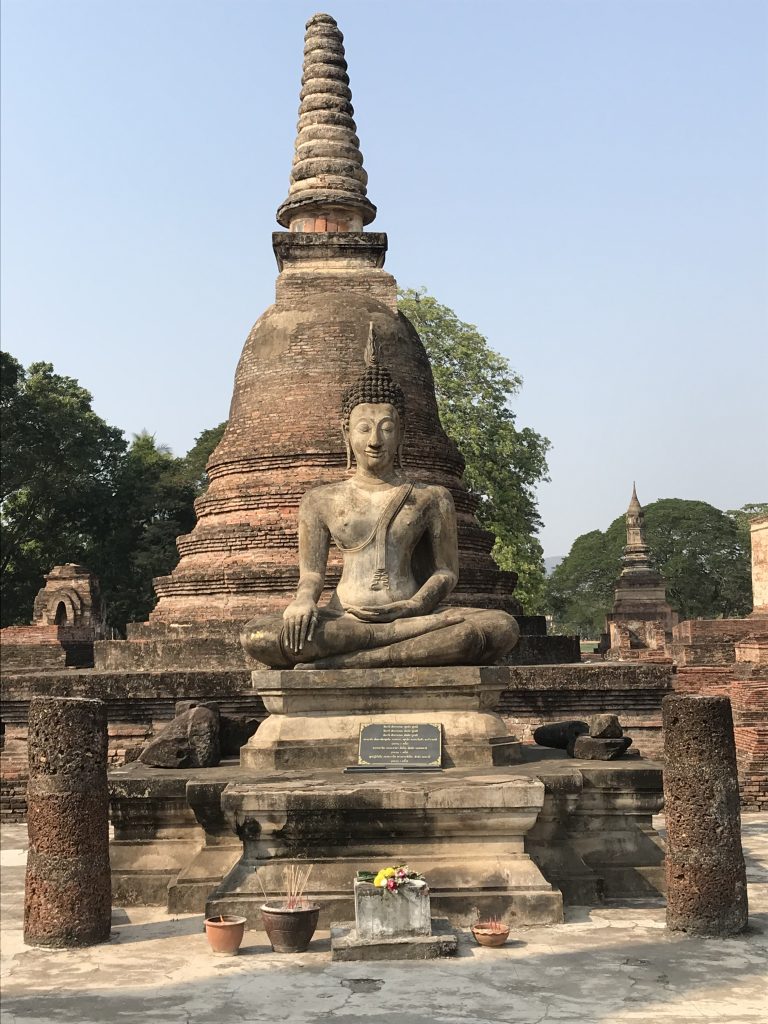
(139, 704)
(552, 693)
(744, 679)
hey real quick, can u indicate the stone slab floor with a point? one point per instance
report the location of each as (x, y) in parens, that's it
(613, 964)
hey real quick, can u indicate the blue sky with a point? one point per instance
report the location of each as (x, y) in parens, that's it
(585, 181)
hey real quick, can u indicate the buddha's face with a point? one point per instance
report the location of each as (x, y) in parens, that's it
(375, 433)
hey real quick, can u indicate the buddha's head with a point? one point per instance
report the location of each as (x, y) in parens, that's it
(373, 415)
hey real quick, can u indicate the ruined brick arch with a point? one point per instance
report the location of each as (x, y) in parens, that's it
(64, 608)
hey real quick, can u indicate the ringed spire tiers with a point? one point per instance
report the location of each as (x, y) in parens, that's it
(328, 182)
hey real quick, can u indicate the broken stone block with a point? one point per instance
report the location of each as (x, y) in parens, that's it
(605, 727)
(591, 748)
(559, 734)
(191, 740)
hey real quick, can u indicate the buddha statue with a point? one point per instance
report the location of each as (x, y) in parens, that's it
(400, 559)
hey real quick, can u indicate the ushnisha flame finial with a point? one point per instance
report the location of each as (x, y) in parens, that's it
(371, 354)
(328, 183)
(374, 385)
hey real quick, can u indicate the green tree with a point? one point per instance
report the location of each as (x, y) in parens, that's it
(475, 387)
(702, 553)
(196, 458)
(154, 504)
(60, 462)
(72, 491)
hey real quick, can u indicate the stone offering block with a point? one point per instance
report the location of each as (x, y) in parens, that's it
(381, 914)
(347, 945)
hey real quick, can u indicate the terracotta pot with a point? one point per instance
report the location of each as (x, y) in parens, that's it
(225, 933)
(290, 930)
(489, 936)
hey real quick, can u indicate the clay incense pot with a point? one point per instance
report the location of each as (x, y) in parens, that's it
(490, 934)
(225, 933)
(290, 929)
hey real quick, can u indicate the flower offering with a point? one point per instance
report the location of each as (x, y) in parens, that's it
(392, 878)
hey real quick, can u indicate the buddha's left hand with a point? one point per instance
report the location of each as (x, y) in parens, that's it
(385, 612)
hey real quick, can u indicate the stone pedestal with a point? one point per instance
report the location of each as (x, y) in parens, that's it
(315, 716)
(380, 914)
(706, 877)
(464, 830)
(593, 838)
(67, 898)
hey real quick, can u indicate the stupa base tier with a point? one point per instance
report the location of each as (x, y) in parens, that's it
(464, 831)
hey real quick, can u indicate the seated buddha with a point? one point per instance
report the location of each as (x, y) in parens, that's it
(400, 559)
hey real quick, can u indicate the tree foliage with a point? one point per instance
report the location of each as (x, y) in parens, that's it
(60, 465)
(474, 387)
(153, 502)
(198, 455)
(702, 553)
(73, 491)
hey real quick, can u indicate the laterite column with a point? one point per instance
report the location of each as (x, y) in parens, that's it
(706, 877)
(67, 899)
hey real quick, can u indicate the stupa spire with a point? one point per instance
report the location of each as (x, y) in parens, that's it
(637, 554)
(328, 183)
(634, 504)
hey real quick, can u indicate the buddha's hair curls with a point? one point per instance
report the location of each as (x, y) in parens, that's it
(375, 385)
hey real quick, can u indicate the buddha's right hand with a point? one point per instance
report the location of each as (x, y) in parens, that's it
(300, 619)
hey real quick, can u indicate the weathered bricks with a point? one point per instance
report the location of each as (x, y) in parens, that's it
(67, 900)
(706, 876)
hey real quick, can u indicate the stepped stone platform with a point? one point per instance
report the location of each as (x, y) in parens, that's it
(553, 830)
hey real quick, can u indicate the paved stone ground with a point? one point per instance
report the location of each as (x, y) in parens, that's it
(614, 964)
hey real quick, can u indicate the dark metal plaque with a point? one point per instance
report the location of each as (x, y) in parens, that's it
(397, 745)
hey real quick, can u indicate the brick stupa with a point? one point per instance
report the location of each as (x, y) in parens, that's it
(283, 434)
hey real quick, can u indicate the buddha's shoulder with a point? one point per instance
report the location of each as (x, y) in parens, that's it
(432, 493)
(323, 493)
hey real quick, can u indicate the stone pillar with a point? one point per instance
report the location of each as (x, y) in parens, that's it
(758, 529)
(67, 899)
(706, 877)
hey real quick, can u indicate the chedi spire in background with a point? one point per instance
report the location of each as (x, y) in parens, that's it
(637, 555)
(328, 183)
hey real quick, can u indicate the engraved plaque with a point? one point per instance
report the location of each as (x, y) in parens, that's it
(400, 745)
